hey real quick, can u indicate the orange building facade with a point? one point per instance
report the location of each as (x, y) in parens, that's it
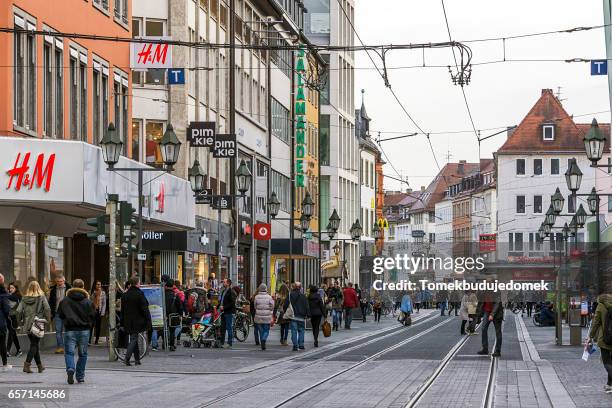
(64, 88)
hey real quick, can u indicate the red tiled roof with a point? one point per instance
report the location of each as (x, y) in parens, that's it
(393, 199)
(527, 137)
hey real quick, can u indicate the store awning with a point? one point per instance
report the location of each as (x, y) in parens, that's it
(301, 248)
(332, 268)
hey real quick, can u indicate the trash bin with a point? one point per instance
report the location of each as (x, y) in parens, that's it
(575, 324)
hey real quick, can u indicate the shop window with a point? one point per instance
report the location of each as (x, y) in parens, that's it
(154, 132)
(24, 257)
(54, 258)
(136, 135)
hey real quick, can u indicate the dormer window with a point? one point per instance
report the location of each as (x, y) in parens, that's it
(548, 132)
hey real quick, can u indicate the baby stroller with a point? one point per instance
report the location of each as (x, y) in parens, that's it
(206, 331)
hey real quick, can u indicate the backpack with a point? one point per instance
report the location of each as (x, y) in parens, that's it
(607, 327)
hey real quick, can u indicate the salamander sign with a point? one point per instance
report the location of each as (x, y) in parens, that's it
(300, 127)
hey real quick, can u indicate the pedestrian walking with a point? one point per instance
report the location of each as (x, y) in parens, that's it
(281, 297)
(317, 312)
(377, 305)
(455, 302)
(135, 317)
(176, 288)
(5, 309)
(442, 298)
(252, 311)
(406, 310)
(228, 309)
(264, 311)
(173, 312)
(56, 294)
(300, 312)
(33, 309)
(336, 298)
(78, 314)
(98, 298)
(492, 311)
(417, 299)
(530, 301)
(472, 308)
(14, 298)
(467, 312)
(364, 300)
(601, 330)
(350, 302)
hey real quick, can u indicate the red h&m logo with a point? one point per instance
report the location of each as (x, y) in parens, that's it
(161, 198)
(40, 175)
(150, 55)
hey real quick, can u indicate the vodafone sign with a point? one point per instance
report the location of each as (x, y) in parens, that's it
(263, 232)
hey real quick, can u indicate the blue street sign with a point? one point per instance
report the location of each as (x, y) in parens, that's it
(599, 67)
(176, 76)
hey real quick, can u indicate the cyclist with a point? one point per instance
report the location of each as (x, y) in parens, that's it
(135, 317)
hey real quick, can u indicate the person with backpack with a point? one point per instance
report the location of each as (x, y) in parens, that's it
(317, 311)
(173, 312)
(33, 310)
(14, 298)
(601, 330)
(196, 301)
(297, 311)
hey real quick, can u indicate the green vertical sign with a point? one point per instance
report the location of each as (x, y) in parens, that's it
(300, 117)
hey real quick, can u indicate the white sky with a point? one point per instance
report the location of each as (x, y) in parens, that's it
(499, 94)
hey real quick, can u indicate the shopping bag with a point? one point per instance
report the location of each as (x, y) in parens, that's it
(326, 329)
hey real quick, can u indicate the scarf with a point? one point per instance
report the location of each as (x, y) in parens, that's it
(97, 298)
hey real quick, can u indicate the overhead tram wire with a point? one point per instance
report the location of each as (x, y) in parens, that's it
(467, 105)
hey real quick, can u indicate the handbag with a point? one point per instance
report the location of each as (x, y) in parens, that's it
(289, 313)
(38, 327)
(326, 327)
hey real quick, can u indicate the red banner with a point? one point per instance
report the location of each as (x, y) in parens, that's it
(488, 242)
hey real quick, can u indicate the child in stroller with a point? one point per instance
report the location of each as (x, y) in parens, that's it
(206, 331)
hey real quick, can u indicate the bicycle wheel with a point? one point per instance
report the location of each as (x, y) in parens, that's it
(142, 348)
(241, 330)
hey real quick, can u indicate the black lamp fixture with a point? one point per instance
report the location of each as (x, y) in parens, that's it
(334, 221)
(330, 231)
(557, 200)
(196, 177)
(566, 231)
(243, 178)
(356, 230)
(581, 216)
(573, 226)
(573, 176)
(304, 222)
(376, 232)
(541, 233)
(307, 205)
(551, 217)
(273, 205)
(170, 147)
(546, 228)
(594, 143)
(593, 201)
(111, 146)
(336, 249)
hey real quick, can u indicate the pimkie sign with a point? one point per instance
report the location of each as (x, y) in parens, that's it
(300, 127)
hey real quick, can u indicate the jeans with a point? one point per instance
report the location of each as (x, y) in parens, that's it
(498, 333)
(154, 336)
(348, 317)
(76, 339)
(12, 335)
(377, 313)
(364, 311)
(297, 333)
(262, 331)
(284, 331)
(228, 318)
(606, 359)
(59, 327)
(316, 326)
(177, 333)
(256, 334)
(33, 352)
(132, 348)
(336, 317)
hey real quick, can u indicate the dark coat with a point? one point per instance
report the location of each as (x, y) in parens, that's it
(315, 305)
(53, 298)
(493, 297)
(5, 309)
(229, 301)
(299, 303)
(173, 302)
(76, 310)
(135, 313)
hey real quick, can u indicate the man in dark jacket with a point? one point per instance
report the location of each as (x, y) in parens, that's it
(56, 294)
(135, 316)
(228, 308)
(77, 314)
(350, 302)
(301, 312)
(490, 308)
(173, 309)
(4, 322)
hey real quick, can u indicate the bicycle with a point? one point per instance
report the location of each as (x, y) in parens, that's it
(120, 343)
(241, 326)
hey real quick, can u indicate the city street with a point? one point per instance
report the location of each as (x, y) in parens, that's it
(372, 365)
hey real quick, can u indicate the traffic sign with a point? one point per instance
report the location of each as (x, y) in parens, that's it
(201, 134)
(142, 257)
(176, 76)
(225, 147)
(223, 202)
(205, 197)
(263, 232)
(418, 234)
(599, 67)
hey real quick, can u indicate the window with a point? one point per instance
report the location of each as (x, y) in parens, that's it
(554, 166)
(535, 245)
(548, 132)
(571, 203)
(47, 90)
(74, 86)
(103, 4)
(150, 28)
(515, 241)
(520, 167)
(281, 185)
(154, 132)
(214, 8)
(324, 139)
(83, 97)
(24, 72)
(281, 121)
(610, 203)
(520, 204)
(136, 134)
(537, 167)
(537, 204)
(121, 8)
(59, 89)
(99, 100)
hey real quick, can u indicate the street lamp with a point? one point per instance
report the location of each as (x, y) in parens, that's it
(546, 228)
(557, 200)
(356, 230)
(307, 205)
(593, 201)
(376, 232)
(573, 226)
(566, 232)
(581, 216)
(304, 222)
(274, 205)
(336, 249)
(573, 176)
(196, 177)
(243, 178)
(551, 217)
(334, 221)
(541, 233)
(170, 147)
(111, 146)
(330, 231)
(594, 142)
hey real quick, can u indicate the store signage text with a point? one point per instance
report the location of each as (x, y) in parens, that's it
(151, 55)
(201, 134)
(152, 235)
(225, 147)
(300, 127)
(40, 176)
